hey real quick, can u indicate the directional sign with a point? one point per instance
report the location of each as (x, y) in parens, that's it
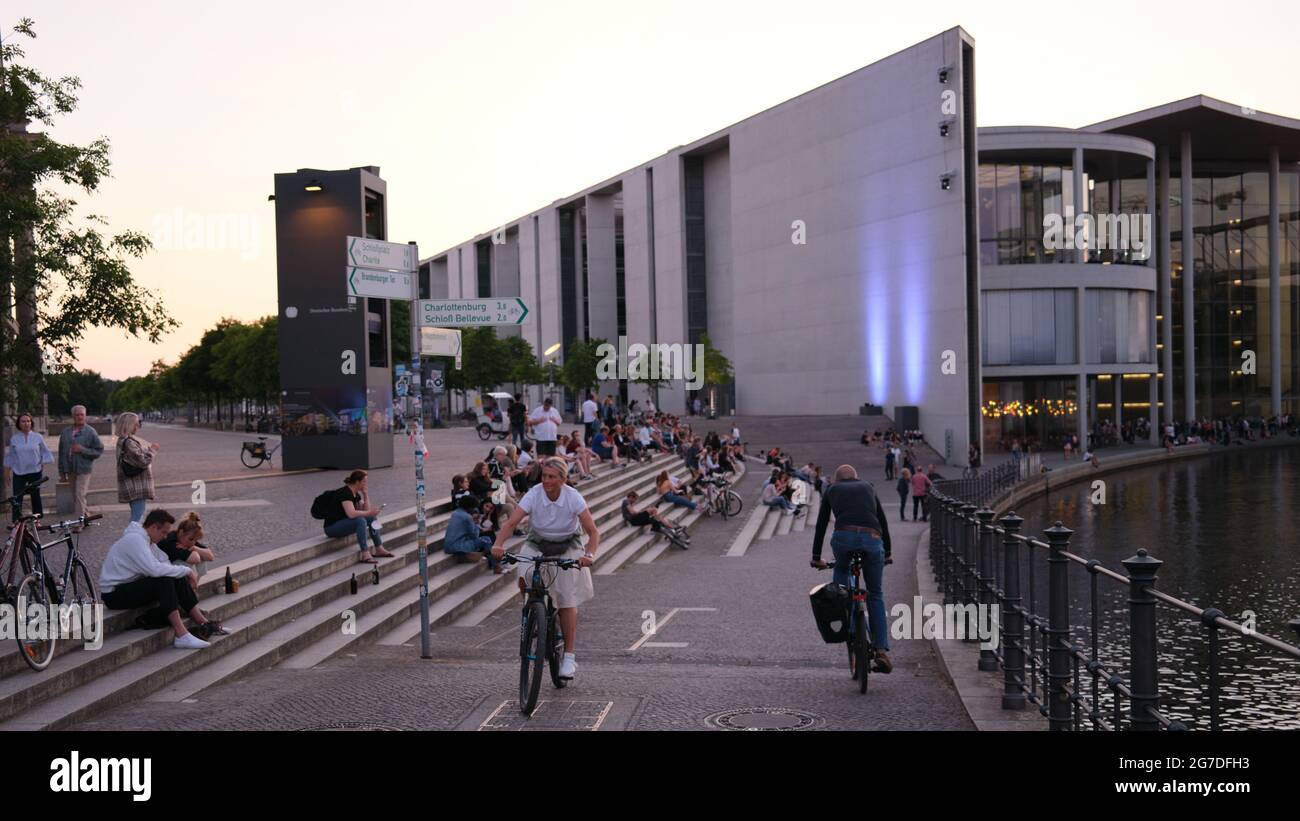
(384, 256)
(381, 284)
(471, 313)
(440, 342)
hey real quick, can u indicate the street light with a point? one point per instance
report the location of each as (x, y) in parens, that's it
(314, 187)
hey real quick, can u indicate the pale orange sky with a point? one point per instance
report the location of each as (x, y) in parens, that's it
(478, 113)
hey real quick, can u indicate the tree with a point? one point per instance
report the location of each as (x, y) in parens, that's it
(578, 373)
(59, 276)
(484, 359)
(522, 362)
(717, 369)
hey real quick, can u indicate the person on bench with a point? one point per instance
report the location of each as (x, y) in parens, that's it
(137, 574)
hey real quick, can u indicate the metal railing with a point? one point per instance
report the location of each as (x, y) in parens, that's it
(979, 562)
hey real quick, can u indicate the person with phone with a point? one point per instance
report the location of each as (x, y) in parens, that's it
(350, 512)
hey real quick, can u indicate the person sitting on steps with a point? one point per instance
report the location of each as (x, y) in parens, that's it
(649, 516)
(351, 513)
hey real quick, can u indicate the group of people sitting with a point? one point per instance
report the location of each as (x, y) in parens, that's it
(155, 567)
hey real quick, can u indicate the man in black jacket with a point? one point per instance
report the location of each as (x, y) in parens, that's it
(518, 413)
(860, 526)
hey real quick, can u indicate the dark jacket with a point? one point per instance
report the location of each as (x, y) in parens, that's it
(854, 502)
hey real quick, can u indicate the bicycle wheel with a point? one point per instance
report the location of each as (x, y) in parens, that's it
(81, 588)
(733, 503)
(555, 646)
(249, 460)
(34, 599)
(484, 432)
(532, 655)
(862, 649)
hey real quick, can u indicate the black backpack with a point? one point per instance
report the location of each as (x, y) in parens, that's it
(323, 505)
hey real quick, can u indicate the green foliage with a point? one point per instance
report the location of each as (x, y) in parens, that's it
(78, 388)
(717, 368)
(578, 373)
(59, 276)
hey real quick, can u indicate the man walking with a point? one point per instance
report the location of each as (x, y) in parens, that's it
(545, 422)
(79, 447)
(590, 418)
(860, 527)
(518, 413)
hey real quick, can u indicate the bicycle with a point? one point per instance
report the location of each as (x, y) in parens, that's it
(720, 498)
(540, 637)
(40, 588)
(861, 650)
(253, 454)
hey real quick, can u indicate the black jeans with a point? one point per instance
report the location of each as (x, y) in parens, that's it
(22, 485)
(171, 594)
(902, 507)
(919, 502)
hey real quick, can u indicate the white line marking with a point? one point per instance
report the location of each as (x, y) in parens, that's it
(660, 624)
(609, 705)
(485, 642)
(666, 644)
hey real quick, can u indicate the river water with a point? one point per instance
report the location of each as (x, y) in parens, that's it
(1227, 528)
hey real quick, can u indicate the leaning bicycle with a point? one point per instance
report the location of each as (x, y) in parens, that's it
(253, 454)
(541, 639)
(720, 498)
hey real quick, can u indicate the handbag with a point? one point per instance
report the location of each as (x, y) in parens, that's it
(550, 549)
(129, 470)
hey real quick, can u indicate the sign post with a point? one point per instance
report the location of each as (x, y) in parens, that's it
(389, 270)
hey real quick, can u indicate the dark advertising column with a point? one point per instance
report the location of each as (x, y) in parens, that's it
(336, 406)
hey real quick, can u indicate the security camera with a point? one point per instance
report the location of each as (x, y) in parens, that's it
(943, 73)
(945, 180)
(945, 126)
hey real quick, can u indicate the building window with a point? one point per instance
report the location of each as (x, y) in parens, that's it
(697, 306)
(1028, 327)
(483, 264)
(1118, 326)
(568, 279)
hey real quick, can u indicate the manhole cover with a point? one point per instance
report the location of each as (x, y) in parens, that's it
(350, 725)
(763, 718)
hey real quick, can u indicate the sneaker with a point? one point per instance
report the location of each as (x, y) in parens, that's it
(189, 641)
(568, 667)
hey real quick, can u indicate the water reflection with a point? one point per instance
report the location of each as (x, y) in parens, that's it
(1226, 529)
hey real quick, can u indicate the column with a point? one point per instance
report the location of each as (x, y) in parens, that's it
(1084, 405)
(1153, 399)
(1189, 278)
(1166, 362)
(1118, 379)
(1274, 285)
(1079, 195)
(1080, 347)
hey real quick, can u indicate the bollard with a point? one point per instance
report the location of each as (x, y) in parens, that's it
(1013, 634)
(1144, 679)
(1058, 627)
(988, 661)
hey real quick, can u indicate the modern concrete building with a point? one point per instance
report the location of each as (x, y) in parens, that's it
(863, 243)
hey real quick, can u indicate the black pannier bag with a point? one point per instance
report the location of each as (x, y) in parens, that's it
(830, 603)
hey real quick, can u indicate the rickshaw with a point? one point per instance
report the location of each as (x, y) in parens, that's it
(487, 425)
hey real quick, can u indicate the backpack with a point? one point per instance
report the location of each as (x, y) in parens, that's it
(323, 505)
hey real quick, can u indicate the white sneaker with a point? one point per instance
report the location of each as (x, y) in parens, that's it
(568, 666)
(189, 641)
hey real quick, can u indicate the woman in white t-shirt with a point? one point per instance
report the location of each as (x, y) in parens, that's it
(557, 513)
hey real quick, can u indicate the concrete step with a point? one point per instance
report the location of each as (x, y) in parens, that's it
(757, 516)
(814, 505)
(638, 542)
(657, 549)
(773, 519)
(783, 527)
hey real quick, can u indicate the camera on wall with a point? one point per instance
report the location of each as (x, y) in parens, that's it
(945, 126)
(943, 73)
(945, 180)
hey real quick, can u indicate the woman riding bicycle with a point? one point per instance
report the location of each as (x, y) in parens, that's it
(558, 516)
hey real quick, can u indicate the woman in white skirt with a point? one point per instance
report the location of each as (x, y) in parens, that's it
(557, 513)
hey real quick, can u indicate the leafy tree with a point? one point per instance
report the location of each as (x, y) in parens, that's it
(524, 368)
(59, 276)
(717, 369)
(483, 358)
(578, 373)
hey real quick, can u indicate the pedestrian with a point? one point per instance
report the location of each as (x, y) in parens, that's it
(904, 487)
(518, 413)
(134, 464)
(920, 488)
(889, 463)
(590, 419)
(696, 406)
(545, 421)
(24, 463)
(79, 447)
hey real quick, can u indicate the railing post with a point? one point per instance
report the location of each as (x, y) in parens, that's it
(950, 541)
(988, 661)
(1013, 635)
(969, 540)
(1058, 627)
(1145, 682)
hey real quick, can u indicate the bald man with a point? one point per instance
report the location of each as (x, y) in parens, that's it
(860, 526)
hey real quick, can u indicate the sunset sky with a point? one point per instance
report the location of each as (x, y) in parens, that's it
(478, 113)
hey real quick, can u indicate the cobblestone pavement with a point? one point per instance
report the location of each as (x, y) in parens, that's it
(755, 646)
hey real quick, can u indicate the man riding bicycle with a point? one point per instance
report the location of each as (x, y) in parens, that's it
(860, 526)
(555, 512)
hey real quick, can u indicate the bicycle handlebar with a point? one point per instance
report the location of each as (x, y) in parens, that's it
(17, 500)
(558, 561)
(70, 523)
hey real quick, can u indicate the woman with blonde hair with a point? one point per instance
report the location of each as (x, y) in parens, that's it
(134, 464)
(183, 548)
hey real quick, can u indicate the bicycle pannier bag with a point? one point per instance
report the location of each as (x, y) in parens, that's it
(830, 602)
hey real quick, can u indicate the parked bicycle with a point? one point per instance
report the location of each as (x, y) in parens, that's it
(540, 637)
(253, 454)
(720, 498)
(40, 588)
